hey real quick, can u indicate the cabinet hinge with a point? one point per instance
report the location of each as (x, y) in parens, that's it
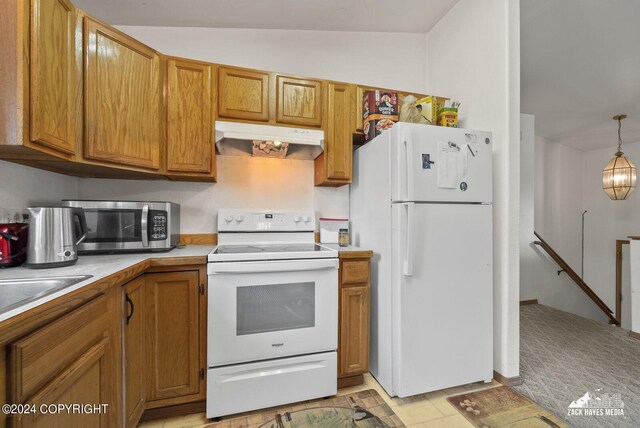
(201, 373)
(201, 289)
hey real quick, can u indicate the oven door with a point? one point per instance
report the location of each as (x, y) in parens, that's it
(271, 309)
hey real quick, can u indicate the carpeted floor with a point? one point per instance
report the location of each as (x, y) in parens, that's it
(564, 356)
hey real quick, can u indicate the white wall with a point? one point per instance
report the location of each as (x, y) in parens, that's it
(569, 181)
(559, 205)
(243, 182)
(607, 221)
(473, 56)
(634, 264)
(264, 183)
(392, 60)
(528, 254)
(22, 186)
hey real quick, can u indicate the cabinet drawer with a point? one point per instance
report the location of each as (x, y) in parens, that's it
(355, 272)
(38, 357)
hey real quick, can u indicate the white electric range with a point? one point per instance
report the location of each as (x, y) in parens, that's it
(272, 312)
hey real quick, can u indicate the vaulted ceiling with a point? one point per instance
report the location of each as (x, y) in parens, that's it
(406, 16)
(580, 65)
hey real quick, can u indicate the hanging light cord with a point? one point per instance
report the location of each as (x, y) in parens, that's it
(619, 153)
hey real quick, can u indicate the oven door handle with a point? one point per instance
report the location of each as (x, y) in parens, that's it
(144, 225)
(271, 266)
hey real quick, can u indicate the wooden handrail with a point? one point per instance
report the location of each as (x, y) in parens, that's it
(576, 278)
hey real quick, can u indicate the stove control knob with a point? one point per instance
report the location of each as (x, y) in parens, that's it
(297, 219)
(228, 219)
(306, 219)
(239, 218)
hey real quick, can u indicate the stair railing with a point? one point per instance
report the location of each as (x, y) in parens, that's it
(576, 278)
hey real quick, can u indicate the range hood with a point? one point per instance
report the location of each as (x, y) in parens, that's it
(246, 139)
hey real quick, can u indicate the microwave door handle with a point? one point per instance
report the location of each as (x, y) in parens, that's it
(144, 225)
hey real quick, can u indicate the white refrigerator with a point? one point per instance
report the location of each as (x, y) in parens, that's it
(421, 200)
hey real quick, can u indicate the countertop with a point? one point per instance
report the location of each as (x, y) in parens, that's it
(350, 248)
(99, 266)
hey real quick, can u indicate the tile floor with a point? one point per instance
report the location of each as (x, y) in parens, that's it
(426, 410)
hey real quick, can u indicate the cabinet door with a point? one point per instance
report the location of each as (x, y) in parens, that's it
(243, 94)
(173, 342)
(133, 348)
(85, 381)
(357, 108)
(333, 167)
(299, 101)
(122, 98)
(189, 124)
(54, 76)
(353, 349)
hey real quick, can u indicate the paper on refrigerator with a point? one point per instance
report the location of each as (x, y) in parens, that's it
(451, 164)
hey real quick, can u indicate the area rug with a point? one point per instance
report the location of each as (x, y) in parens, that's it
(502, 407)
(364, 409)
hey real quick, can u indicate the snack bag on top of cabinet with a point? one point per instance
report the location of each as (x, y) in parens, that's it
(379, 112)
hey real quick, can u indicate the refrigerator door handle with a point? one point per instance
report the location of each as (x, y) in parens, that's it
(409, 168)
(410, 239)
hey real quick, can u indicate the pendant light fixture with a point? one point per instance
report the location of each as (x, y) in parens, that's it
(619, 176)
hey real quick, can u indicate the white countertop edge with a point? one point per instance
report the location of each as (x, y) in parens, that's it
(99, 266)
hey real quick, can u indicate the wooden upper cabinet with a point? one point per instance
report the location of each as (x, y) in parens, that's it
(54, 75)
(333, 167)
(122, 98)
(299, 101)
(189, 121)
(357, 108)
(243, 94)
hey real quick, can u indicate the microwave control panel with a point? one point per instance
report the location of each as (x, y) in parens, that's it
(157, 225)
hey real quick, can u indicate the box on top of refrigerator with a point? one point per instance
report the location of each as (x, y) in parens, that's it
(379, 112)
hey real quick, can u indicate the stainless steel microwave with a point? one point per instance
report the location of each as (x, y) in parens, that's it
(128, 226)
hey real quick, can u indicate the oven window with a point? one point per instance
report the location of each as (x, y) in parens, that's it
(275, 307)
(113, 225)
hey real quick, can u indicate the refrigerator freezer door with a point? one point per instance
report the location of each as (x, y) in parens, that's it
(437, 164)
(442, 296)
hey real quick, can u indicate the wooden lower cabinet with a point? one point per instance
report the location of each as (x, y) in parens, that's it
(72, 360)
(353, 334)
(175, 310)
(133, 337)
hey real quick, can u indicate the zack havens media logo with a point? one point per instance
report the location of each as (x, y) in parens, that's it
(597, 404)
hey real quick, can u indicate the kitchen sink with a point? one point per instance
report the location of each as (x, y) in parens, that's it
(20, 291)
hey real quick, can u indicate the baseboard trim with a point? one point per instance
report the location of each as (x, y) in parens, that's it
(345, 382)
(176, 410)
(508, 381)
(634, 335)
(528, 302)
